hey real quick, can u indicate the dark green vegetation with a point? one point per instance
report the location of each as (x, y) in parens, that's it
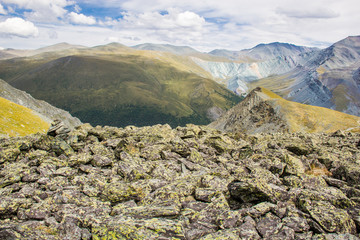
(118, 89)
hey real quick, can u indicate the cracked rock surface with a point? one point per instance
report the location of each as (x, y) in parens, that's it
(191, 182)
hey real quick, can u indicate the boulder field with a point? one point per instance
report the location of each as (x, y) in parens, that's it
(191, 182)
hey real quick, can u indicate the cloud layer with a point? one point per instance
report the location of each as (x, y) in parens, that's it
(232, 24)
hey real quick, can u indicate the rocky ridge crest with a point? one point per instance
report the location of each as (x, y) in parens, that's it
(186, 183)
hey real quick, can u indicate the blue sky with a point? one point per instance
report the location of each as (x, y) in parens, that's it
(204, 25)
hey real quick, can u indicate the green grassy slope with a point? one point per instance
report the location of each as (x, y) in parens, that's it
(119, 90)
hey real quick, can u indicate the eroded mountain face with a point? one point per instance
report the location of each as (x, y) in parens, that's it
(186, 183)
(244, 68)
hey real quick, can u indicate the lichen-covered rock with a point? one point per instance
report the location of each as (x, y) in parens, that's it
(329, 217)
(227, 234)
(119, 192)
(298, 224)
(248, 229)
(129, 228)
(253, 190)
(9, 154)
(268, 225)
(186, 183)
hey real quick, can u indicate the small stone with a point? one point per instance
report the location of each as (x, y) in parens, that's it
(268, 225)
(248, 229)
(101, 161)
(204, 194)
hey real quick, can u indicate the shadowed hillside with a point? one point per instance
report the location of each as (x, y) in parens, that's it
(120, 90)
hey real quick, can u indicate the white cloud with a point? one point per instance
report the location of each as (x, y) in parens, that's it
(189, 19)
(173, 18)
(42, 10)
(18, 27)
(173, 26)
(79, 18)
(2, 10)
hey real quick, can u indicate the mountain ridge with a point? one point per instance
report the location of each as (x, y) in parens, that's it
(264, 111)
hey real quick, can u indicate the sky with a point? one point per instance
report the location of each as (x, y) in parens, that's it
(202, 24)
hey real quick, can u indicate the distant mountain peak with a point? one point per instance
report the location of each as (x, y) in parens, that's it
(58, 47)
(264, 51)
(352, 41)
(276, 44)
(179, 50)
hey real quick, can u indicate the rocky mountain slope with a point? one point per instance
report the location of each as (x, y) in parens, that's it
(44, 110)
(262, 111)
(329, 78)
(249, 65)
(116, 85)
(186, 183)
(16, 120)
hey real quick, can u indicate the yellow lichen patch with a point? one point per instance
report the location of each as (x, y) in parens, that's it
(47, 230)
(16, 120)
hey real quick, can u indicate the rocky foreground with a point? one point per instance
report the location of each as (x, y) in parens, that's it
(185, 183)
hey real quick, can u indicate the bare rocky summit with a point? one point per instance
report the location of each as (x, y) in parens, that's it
(186, 183)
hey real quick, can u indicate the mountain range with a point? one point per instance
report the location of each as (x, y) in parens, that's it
(264, 168)
(159, 83)
(321, 77)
